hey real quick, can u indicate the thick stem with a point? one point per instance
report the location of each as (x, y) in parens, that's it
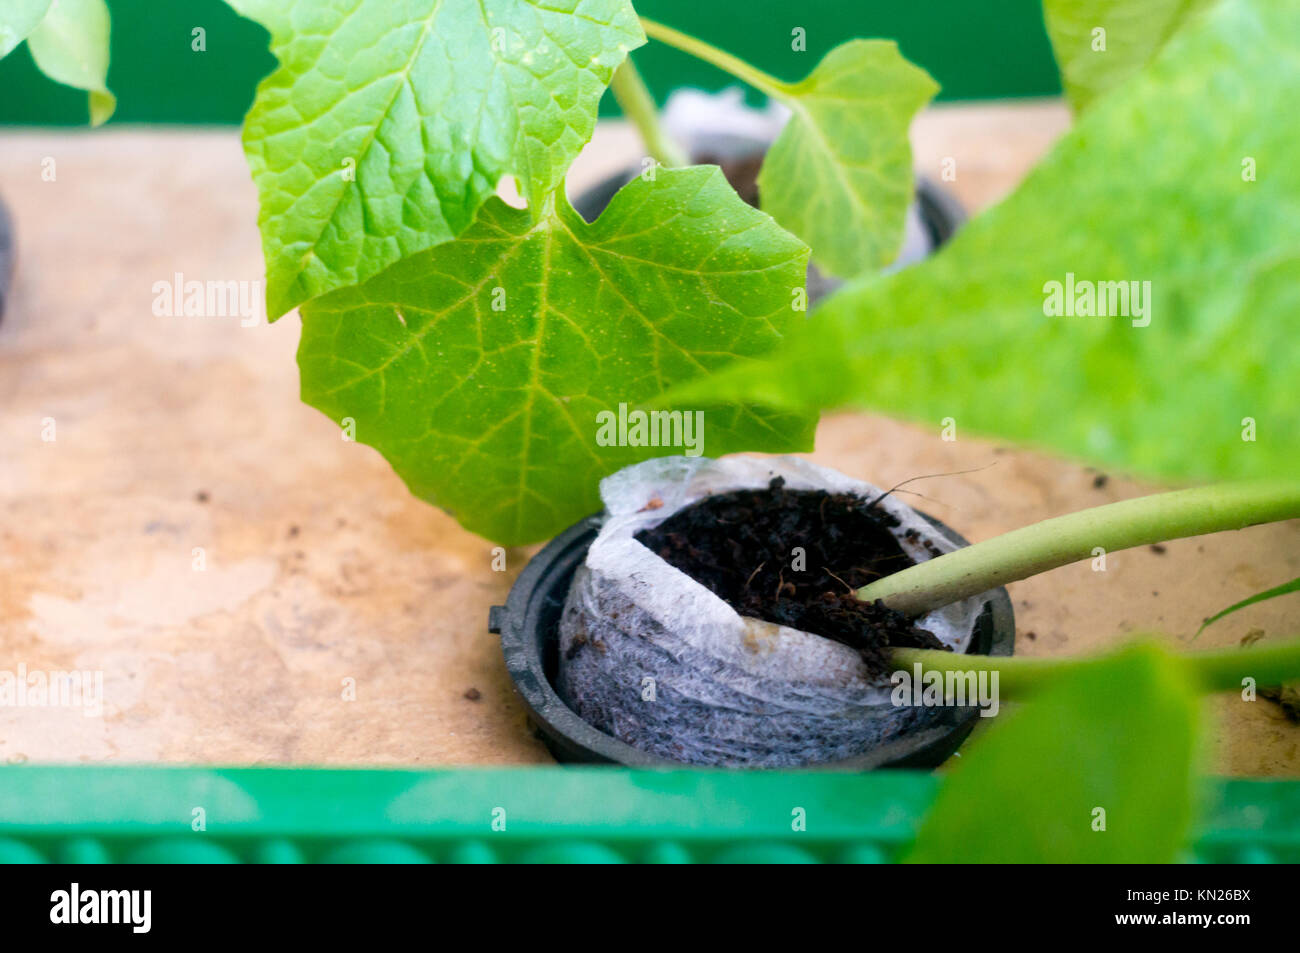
(719, 58)
(639, 107)
(1218, 671)
(1066, 539)
(1268, 665)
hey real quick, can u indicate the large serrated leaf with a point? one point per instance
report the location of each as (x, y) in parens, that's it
(1182, 178)
(1097, 768)
(478, 368)
(1100, 43)
(388, 124)
(840, 174)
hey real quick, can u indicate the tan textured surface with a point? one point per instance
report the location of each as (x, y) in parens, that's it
(320, 566)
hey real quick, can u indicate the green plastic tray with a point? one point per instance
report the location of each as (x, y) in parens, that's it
(567, 815)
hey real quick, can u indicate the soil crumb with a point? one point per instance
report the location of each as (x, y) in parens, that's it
(796, 558)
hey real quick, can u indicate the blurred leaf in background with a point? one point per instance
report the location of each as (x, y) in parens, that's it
(840, 174)
(17, 19)
(1100, 43)
(68, 40)
(1173, 203)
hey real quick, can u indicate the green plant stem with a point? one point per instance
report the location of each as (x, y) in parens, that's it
(719, 58)
(1217, 671)
(639, 107)
(1066, 539)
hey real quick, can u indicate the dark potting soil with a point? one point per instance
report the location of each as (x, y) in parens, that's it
(740, 545)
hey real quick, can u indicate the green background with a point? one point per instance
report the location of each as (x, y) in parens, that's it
(976, 50)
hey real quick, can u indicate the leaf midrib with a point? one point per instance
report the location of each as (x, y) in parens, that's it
(405, 74)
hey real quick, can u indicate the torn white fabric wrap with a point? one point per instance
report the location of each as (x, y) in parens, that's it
(652, 657)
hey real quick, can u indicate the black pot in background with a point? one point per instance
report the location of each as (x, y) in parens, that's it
(6, 255)
(935, 217)
(529, 626)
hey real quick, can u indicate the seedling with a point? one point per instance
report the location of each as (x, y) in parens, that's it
(475, 344)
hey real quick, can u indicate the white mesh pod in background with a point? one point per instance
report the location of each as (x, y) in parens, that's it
(654, 658)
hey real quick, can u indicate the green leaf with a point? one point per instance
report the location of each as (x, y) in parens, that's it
(478, 368)
(1285, 589)
(1132, 33)
(1117, 736)
(1150, 185)
(17, 19)
(70, 45)
(840, 174)
(387, 124)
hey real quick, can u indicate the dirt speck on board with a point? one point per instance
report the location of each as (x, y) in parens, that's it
(796, 558)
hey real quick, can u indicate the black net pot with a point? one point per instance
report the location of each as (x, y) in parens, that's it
(528, 625)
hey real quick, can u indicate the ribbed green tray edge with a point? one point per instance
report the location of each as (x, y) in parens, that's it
(140, 814)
